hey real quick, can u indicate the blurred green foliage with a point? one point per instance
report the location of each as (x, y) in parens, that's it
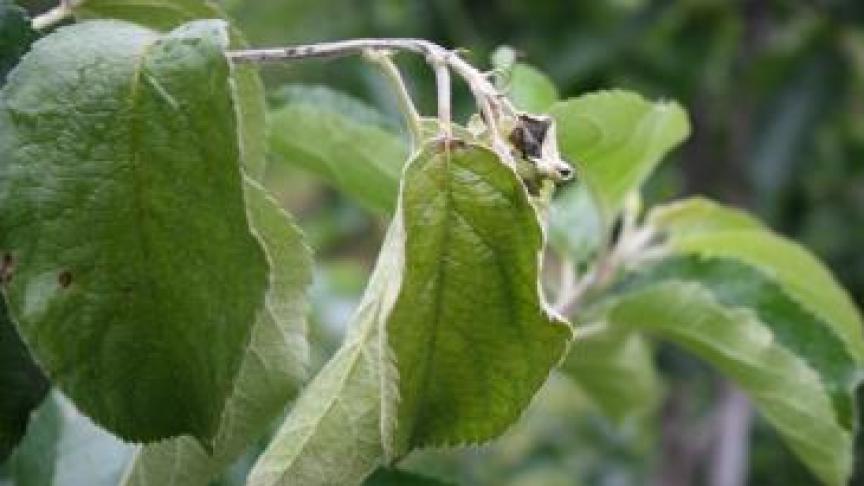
(775, 90)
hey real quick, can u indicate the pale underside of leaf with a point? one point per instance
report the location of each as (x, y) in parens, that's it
(333, 435)
(786, 390)
(141, 281)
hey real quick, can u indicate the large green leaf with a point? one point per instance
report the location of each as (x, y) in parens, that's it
(726, 232)
(456, 286)
(786, 390)
(471, 335)
(735, 284)
(16, 35)
(273, 365)
(530, 89)
(22, 385)
(616, 139)
(136, 278)
(65, 448)
(617, 372)
(315, 131)
(164, 15)
(333, 433)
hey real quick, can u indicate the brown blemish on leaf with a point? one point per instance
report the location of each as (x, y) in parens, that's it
(64, 279)
(444, 144)
(7, 269)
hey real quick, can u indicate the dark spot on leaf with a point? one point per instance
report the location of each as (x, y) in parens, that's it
(64, 279)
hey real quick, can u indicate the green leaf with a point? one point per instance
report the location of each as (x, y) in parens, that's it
(397, 477)
(700, 215)
(140, 280)
(161, 15)
(788, 392)
(735, 284)
(333, 433)
(314, 131)
(22, 385)
(527, 87)
(16, 35)
(471, 336)
(64, 448)
(616, 139)
(530, 89)
(797, 271)
(482, 279)
(273, 365)
(617, 372)
(164, 15)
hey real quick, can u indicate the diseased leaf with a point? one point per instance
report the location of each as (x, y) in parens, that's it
(136, 278)
(788, 392)
(314, 131)
(65, 448)
(16, 35)
(472, 338)
(483, 279)
(273, 365)
(617, 372)
(164, 15)
(22, 385)
(800, 274)
(616, 139)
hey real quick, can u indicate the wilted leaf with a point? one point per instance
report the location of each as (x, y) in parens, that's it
(616, 139)
(458, 272)
(472, 338)
(136, 278)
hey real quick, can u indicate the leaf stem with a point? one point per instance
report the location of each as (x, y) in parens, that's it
(383, 60)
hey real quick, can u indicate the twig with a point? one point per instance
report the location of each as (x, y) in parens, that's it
(54, 16)
(489, 100)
